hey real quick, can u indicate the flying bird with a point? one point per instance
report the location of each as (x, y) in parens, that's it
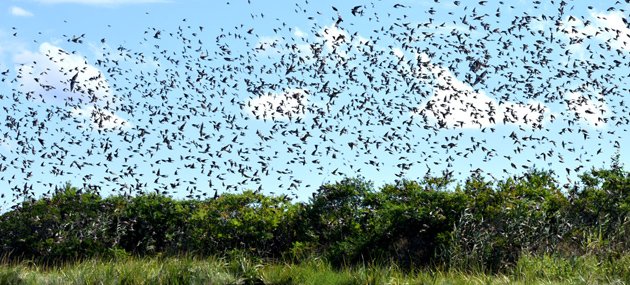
(73, 81)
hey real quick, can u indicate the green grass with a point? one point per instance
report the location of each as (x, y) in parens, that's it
(240, 270)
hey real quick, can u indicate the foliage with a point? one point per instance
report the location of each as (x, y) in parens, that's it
(601, 211)
(481, 225)
(337, 216)
(249, 222)
(517, 216)
(70, 225)
(152, 223)
(412, 222)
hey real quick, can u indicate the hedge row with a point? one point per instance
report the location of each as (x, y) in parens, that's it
(478, 224)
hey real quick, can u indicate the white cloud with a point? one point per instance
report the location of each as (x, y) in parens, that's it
(298, 33)
(102, 2)
(101, 119)
(606, 27)
(46, 76)
(337, 41)
(587, 110)
(576, 30)
(455, 104)
(284, 106)
(398, 52)
(333, 37)
(20, 12)
(613, 28)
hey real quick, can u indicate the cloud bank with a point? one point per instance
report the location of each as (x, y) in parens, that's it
(607, 27)
(19, 12)
(54, 76)
(455, 104)
(281, 106)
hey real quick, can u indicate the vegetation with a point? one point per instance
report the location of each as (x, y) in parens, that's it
(518, 229)
(213, 270)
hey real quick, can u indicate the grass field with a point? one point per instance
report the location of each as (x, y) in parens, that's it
(185, 270)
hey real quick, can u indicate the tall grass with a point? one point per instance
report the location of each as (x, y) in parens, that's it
(244, 270)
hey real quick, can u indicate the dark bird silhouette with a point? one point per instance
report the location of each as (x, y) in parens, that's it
(73, 81)
(357, 10)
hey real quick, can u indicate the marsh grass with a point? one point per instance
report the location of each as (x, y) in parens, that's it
(244, 270)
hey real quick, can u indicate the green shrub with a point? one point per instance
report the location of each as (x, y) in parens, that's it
(67, 226)
(249, 221)
(524, 215)
(601, 211)
(412, 221)
(337, 215)
(152, 223)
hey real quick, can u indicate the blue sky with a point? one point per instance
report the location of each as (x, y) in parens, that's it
(295, 94)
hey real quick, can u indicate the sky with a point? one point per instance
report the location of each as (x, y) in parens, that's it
(197, 97)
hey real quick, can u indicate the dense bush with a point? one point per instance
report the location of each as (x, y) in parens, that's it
(70, 225)
(601, 212)
(412, 222)
(525, 215)
(152, 223)
(480, 224)
(248, 222)
(337, 217)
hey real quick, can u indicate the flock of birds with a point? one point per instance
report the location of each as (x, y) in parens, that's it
(195, 113)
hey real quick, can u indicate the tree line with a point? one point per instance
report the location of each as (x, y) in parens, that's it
(476, 224)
